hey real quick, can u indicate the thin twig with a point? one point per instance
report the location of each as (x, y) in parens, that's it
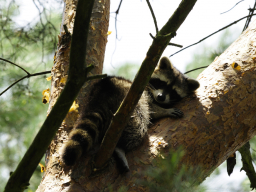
(153, 15)
(212, 34)
(172, 44)
(232, 7)
(176, 45)
(117, 12)
(249, 18)
(40, 13)
(27, 76)
(15, 65)
(196, 69)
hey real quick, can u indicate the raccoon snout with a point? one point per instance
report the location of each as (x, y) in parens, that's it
(160, 97)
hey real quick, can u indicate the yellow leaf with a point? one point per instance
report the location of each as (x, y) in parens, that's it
(46, 96)
(74, 107)
(109, 32)
(64, 79)
(42, 167)
(49, 78)
(236, 66)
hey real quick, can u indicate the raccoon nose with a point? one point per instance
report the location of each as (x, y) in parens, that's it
(160, 97)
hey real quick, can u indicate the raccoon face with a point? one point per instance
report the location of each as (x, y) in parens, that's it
(168, 85)
(163, 92)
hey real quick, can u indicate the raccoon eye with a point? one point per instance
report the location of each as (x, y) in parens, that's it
(174, 95)
(157, 83)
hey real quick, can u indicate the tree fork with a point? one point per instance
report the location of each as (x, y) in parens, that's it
(217, 122)
(122, 115)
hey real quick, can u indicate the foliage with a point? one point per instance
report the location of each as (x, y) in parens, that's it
(32, 47)
(167, 175)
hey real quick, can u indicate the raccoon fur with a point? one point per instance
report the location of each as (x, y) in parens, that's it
(167, 86)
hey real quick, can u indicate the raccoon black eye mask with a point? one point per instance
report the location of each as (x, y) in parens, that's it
(166, 87)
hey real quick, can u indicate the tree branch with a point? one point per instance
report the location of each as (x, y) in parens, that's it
(27, 76)
(250, 17)
(117, 12)
(76, 77)
(211, 34)
(153, 15)
(15, 65)
(196, 69)
(154, 53)
(232, 7)
(172, 44)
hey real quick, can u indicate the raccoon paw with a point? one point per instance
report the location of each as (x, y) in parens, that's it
(176, 113)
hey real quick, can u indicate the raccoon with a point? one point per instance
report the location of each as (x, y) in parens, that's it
(167, 86)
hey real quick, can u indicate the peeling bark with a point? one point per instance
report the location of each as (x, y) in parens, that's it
(217, 121)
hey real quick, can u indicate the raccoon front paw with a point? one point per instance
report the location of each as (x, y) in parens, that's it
(176, 113)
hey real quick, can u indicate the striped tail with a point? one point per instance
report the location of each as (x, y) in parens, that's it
(82, 138)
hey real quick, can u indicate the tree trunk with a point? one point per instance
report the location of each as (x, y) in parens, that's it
(217, 122)
(97, 39)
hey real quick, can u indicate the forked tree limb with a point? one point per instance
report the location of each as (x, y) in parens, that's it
(122, 115)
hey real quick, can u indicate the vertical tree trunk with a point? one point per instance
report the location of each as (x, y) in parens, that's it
(97, 39)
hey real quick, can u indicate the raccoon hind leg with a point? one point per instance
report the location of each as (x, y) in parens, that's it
(82, 138)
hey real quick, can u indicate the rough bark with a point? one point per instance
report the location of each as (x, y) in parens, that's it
(217, 122)
(97, 39)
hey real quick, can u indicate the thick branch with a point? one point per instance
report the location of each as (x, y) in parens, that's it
(76, 78)
(154, 53)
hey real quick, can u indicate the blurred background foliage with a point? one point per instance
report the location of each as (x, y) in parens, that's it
(207, 53)
(22, 112)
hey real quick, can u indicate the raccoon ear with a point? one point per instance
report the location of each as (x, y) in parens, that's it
(165, 63)
(192, 84)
